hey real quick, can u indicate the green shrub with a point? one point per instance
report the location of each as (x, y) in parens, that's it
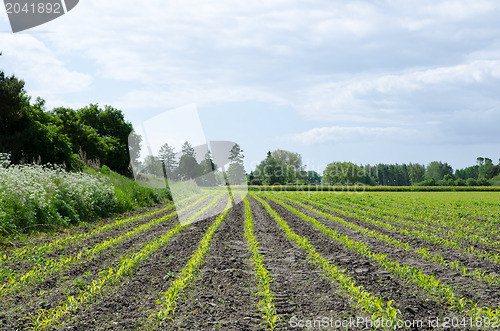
(495, 181)
(471, 182)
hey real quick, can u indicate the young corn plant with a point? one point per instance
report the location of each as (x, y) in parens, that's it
(30, 251)
(108, 277)
(41, 272)
(186, 277)
(420, 252)
(428, 283)
(261, 273)
(372, 304)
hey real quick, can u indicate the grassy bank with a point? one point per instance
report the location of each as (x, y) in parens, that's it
(36, 197)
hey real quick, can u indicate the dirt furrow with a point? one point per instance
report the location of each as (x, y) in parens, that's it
(411, 302)
(451, 276)
(302, 291)
(128, 306)
(51, 292)
(221, 297)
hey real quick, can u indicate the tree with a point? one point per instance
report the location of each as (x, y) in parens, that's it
(279, 167)
(11, 101)
(236, 174)
(268, 172)
(290, 159)
(438, 170)
(469, 172)
(236, 154)
(290, 163)
(471, 182)
(313, 177)
(208, 173)
(188, 150)
(188, 166)
(416, 173)
(35, 135)
(13, 121)
(152, 166)
(110, 125)
(493, 171)
(389, 174)
(344, 173)
(167, 156)
(483, 168)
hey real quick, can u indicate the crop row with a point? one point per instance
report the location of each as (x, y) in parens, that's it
(428, 283)
(49, 267)
(261, 273)
(371, 303)
(108, 277)
(28, 252)
(420, 252)
(471, 217)
(168, 300)
(425, 236)
(466, 233)
(467, 230)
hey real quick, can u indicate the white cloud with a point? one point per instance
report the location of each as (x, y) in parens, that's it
(201, 94)
(391, 98)
(350, 134)
(420, 64)
(41, 67)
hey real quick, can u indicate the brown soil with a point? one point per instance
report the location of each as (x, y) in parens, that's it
(483, 292)
(224, 293)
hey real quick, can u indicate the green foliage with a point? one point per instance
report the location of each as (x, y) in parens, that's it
(168, 159)
(416, 172)
(168, 300)
(266, 304)
(364, 188)
(344, 173)
(188, 166)
(236, 174)
(469, 172)
(429, 283)
(471, 182)
(209, 176)
(389, 174)
(30, 133)
(492, 171)
(129, 195)
(11, 95)
(438, 170)
(279, 167)
(495, 181)
(368, 301)
(35, 197)
(290, 159)
(313, 177)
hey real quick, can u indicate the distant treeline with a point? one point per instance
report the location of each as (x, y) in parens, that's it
(283, 167)
(183, 166)
(30, 133)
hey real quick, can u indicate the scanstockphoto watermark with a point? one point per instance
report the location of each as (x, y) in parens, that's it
(364, 322)
(26, 14)
(357, 188)
(361, 322)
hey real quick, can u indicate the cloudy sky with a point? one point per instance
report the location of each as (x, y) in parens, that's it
(362, 81)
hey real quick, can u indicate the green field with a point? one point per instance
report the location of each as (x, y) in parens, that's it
(278, 260)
